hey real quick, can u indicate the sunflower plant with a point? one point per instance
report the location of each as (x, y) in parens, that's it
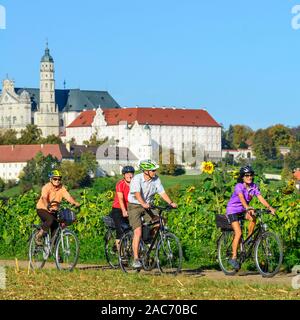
(207, 167)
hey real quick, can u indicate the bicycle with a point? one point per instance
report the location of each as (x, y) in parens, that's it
(265, 245)
(110, 248)
(163, 249)
(63, 244)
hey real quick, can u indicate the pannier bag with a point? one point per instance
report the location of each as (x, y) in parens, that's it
(223, 223)
(109, 222)
(67, 216)
(146, 233)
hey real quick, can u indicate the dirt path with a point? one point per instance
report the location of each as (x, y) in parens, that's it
(249, 277)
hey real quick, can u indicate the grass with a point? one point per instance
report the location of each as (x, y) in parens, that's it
(115, 285)
(168, 181)
(183, 181)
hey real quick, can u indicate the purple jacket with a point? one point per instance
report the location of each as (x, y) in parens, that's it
(234, 205)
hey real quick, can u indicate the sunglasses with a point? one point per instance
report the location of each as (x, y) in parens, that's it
(56, 179)
(153, 170)
(248, 175)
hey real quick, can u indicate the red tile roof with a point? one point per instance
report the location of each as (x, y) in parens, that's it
(152, 116)
(24, 153)
(85, 119)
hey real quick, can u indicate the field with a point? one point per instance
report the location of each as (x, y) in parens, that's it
(168, 181)
(101, 283)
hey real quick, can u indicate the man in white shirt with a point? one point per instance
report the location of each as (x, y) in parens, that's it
(143, 187)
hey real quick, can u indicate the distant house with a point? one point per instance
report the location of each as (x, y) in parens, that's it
(112, 159)
(13, 159)
(238, 154)
(284, 150)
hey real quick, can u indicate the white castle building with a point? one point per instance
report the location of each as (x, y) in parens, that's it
(192, 134)
(48, 108)
(74, 114)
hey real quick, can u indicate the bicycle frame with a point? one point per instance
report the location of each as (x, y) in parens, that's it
(248, 244)
(158, 233)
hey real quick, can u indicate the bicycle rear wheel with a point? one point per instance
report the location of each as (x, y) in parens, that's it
(225, 252)
(111, 251)
(169, 254)
(37, 254)
(126, 257)
(268, 254)
(66, 250)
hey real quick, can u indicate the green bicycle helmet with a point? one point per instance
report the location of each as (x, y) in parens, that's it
(55, 173)
(148, 164)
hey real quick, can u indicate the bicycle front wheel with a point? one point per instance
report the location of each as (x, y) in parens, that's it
(268, 254)
(126, 253)
(225, 252)
(66, 250)
(111, 250)
(37, 254)
(169, 254)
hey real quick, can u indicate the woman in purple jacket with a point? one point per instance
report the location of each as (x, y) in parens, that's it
(238, 208)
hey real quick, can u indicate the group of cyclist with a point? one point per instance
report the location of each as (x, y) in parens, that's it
(134, 194)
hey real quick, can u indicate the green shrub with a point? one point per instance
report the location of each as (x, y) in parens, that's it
(193, 222)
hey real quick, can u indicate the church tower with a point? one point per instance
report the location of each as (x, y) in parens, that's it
(47, 116)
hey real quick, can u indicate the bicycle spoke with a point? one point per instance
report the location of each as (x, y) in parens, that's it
(169, 254)
(126, 253)
(268, 254)
(67, 251)
(38, 254)
(111, 251)
(225, 252)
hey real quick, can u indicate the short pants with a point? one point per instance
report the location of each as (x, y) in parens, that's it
(135, 212)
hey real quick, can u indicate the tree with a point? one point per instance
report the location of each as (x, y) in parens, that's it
(31, 135)
(37, 170)
(292, 159)
(296, 133)
(2, 185)
(240, 135)
(74, 174)
(236, 137)
(263, 145)
(281, 135)
(89, 162)
(226, 144)
(94, 141)
(52, 139)
(8, 137)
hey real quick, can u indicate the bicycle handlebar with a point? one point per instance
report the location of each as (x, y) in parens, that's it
(58, 204)
(259, 212)
(167, 208)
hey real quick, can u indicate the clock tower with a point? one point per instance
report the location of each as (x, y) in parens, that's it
(47, 116)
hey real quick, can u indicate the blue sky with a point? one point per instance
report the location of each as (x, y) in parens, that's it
(239, 60)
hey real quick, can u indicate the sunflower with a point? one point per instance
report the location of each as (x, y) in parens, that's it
(207, 167)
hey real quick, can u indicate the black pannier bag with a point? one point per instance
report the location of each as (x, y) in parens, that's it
(146, 233)
(223, 223)
(67, 216)
(109, 222)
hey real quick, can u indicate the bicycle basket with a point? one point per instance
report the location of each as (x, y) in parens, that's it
(67, 216)
(146, 233)
(109, 222)
(223, 223)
